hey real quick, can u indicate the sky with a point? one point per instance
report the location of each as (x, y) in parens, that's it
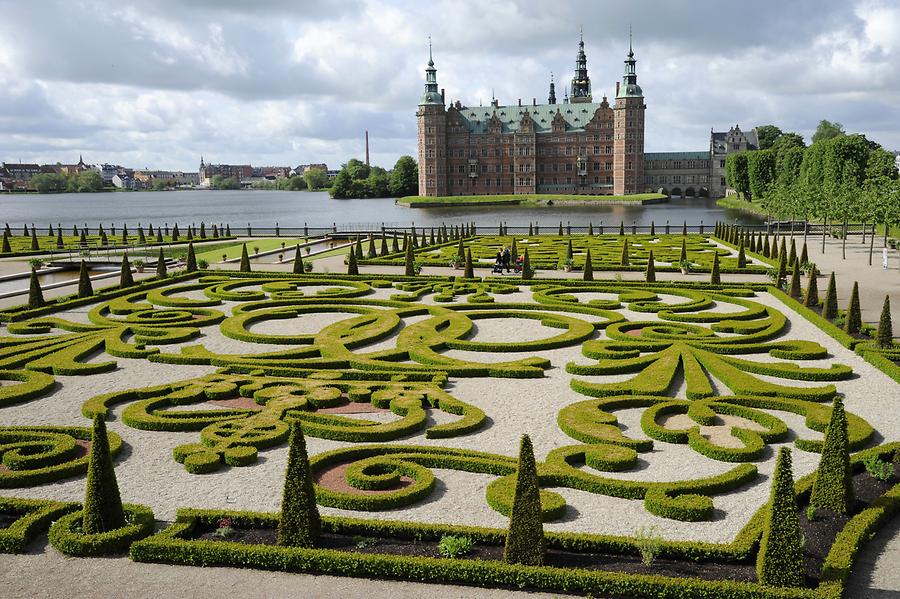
(160, 83)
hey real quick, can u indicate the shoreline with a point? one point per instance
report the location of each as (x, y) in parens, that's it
(547, 200)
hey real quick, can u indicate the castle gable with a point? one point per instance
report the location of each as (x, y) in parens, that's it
(510, 118)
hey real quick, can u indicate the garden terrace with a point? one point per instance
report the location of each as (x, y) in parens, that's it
(656, 412)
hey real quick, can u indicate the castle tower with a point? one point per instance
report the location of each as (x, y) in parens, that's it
(432, 135)
(628, 147)
(552, 98)
(581, 83)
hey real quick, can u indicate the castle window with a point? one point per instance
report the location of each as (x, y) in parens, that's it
(677, 164)
(608, 179)
(568, 167)
(596, 150)
(676, 179)
(609, 166)
(691, 164)
(568, 180)
(629, 166)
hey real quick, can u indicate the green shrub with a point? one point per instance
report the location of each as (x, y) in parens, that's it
(6, 249)
(525, 540)
(588, 265)
(649, 543)
(125, 278)
(453, 546)
(352, 267)
(624, 260)
(102, 505)
(811, 298)
(299, 523)
(469, 272)
(68, 535)
(794, 289)
(714, 277)
(33, 517)
(742, 257)
(161, 265)
(884, 337)
(853, 323)
(298, 268)
(35, 295)
(527, 271)
(245, 259)
(878, 468)
(650, 273)
(833, 488)
(830, 307)
(779, 562)
(409, 261)
(85, 289)
(191, 265)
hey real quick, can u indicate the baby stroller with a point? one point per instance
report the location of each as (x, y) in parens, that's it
(518, 264)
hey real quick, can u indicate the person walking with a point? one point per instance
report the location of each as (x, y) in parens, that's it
(506, 258)
(498, 261)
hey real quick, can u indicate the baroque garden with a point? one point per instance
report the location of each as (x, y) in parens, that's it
(594, 436)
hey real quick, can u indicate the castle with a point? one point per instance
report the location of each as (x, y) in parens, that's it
(575, 147)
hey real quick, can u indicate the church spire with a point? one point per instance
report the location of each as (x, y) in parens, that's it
(581, 83)
(431, 94)
(552, 98)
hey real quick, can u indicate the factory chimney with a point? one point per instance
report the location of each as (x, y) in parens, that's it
(367, 148)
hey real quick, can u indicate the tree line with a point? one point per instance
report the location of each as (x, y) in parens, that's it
(839, 177)
(358, 180)
(83, 182)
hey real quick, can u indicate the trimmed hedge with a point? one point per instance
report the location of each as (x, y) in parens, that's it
(66, 534)
(35, 516)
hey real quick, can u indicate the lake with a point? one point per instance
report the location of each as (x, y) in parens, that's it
(264, 208)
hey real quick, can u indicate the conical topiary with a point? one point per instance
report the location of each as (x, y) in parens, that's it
(792, 255)
(683, 256)
(35, 295)
(811, 299)
(884, 337)
(527, 272)
(35, 246)
(588, 266)
(715, 278)
(460, 251)
(370, 252)
(191, 259)
(650, 273)
(742, 257)
(684, 229)
(298, 261)
(830, 307)
(125, 278)
(570, 255)
(469, 271)
(6, 249)
(384, 246)
(560, 229)
(625, 253)
(245, 259)
(525, 539)
(395, 246)
(103, 510)
(590, 228)
(59, 237)
(358, 247)
(779, 562)
(85, 289)
(352, 266)
(124, 234)
(161, 271)
(804, 256)
(621, 228)
(794, 289)
(299, 523)
(652, 228)
(833, 487)
(782, 269)
(409, 262)
(530, 229)
(853, 320)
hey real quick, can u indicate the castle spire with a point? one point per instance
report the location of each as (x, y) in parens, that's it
(630, 87)
(552, 98)
(431, 94)
(581, 83)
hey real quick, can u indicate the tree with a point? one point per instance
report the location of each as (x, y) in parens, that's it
(299, 523)
(103, 510)
(245, 259)
(222, 182)
(357, 169)
(525, 539)
(405, 177)
(314, 178)
(767, 134)
(377, 184)
(761, 172)
(833, 487)
(84, 281)
(827, 130)
(779, 561)
(125, 278)
(342, 186)
(884, 337)
(736, 174)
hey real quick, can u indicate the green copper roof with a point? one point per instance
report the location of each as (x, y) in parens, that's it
(576, 115)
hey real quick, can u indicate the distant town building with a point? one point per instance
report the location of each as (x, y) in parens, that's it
(241, 172)
(146, 178)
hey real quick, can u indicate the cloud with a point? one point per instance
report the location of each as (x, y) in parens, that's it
(160, 82)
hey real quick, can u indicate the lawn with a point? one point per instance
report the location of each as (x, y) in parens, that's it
(233, 250)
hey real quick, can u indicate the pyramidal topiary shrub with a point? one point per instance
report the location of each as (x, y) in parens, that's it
(588, 266)
(525, 539)
(794, 289)
(161, 270)
(527, 272)
(102, 504)
(125, 278)
(715, 277)
(85, 289)
(830, 307)
(650, 273)
(833, 489)
(811, 299)
(191, 258)
(885, 335)
(779, 561)
(625, 253)
(853, 321)
(469, 272)
(299, 524)
(298, 261)
(245, 259)
(409, 262)
(352, 265)
(35, 295)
